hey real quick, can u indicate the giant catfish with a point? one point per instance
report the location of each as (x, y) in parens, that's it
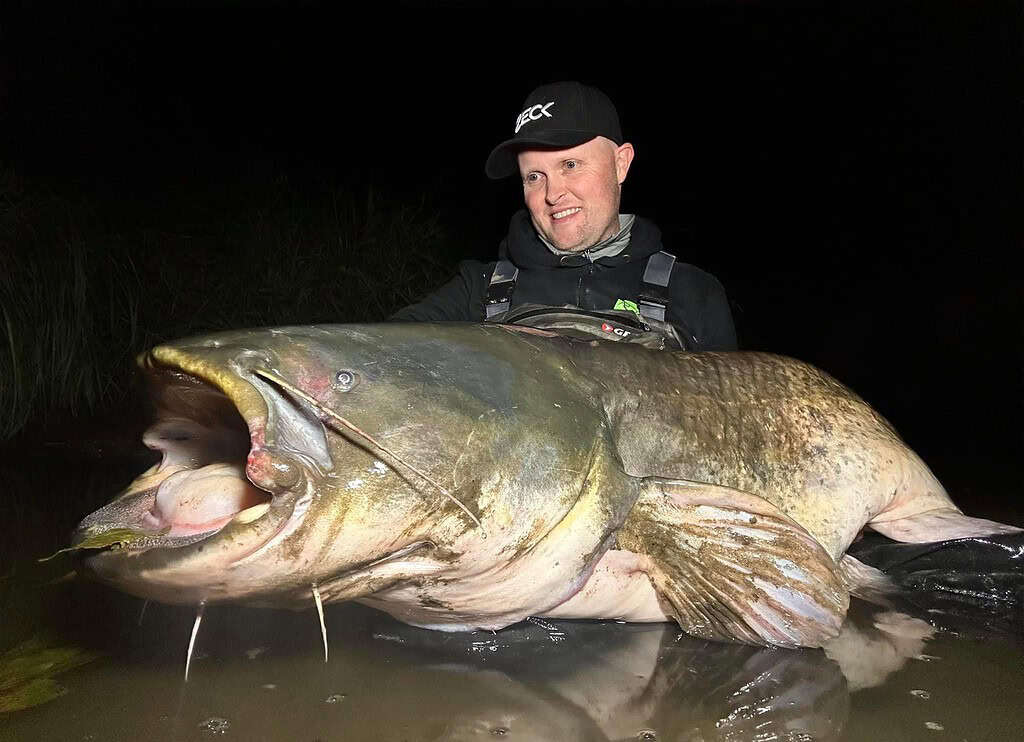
(465, 476)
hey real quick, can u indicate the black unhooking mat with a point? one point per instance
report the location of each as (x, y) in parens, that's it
(971, 586)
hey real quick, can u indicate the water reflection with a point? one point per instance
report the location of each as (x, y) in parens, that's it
(874, 644)
(615, 682)
(259, 675)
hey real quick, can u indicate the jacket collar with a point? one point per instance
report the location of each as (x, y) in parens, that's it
(526, 250)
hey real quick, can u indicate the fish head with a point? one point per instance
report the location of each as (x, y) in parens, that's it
(260, 493)
(349, 458)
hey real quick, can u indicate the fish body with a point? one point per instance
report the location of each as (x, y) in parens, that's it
(464, 476)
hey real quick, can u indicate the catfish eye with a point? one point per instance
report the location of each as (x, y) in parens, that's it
(344, 380)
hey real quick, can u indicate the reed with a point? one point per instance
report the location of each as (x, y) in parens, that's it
(84, 288)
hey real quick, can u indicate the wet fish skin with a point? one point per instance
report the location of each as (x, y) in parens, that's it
(551, 444)
(448, 401)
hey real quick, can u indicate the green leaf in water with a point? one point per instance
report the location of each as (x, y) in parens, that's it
(27, 671)
(116, 537)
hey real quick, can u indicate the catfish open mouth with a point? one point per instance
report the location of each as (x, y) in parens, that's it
(210, 451)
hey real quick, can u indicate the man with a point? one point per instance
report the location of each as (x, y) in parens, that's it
(571, 246)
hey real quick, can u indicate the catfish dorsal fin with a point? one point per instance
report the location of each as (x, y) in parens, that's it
(729, 565)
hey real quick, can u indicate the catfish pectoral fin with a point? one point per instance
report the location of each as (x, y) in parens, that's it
(731, 566)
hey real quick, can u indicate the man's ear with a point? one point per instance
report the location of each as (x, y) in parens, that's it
(623, 158)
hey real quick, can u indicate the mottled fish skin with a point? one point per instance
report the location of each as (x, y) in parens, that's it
(765, 424)
(547, 442)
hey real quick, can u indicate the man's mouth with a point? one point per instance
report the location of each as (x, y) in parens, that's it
(559, 215)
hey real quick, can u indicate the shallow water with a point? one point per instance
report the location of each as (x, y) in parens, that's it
(260, 675)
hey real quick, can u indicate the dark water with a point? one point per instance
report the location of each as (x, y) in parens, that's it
(260, 675)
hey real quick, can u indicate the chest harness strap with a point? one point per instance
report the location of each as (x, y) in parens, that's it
(654, 297)
(499, 292)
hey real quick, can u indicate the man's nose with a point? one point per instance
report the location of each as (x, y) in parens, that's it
(555, 188)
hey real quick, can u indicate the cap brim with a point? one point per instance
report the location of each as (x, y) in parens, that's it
(502, 161)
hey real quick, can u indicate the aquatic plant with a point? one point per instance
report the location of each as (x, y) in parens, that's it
(28, 671)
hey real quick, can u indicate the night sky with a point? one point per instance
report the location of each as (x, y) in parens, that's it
(853, 178)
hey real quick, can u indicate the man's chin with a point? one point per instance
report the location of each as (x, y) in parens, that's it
(568, 243)
(567, 237)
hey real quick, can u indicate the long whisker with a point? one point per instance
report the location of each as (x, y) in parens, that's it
(320, 611)
(192, 640)
(366, 436)
(145, 604)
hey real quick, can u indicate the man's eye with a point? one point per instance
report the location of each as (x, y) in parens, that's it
(531, 178)
(571, 164)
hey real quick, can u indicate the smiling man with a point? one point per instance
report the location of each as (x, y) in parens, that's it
(573, 194)
(571, 247)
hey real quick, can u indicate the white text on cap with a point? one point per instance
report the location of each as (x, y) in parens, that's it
(531, 114)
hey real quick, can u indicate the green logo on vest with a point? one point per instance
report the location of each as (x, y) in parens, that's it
(629, 306)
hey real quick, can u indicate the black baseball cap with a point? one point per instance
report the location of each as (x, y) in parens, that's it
(557, 115)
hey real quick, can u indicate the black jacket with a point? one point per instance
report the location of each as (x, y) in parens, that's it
(698, 305)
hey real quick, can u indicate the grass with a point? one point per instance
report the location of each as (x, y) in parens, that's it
(86, 284)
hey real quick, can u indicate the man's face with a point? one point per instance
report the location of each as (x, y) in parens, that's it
(573, 194)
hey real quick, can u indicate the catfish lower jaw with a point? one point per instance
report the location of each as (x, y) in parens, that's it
(127, 524)
(141, 530)
(192, 569)
(182, 507)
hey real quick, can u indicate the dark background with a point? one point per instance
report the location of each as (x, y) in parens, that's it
(852, 177)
